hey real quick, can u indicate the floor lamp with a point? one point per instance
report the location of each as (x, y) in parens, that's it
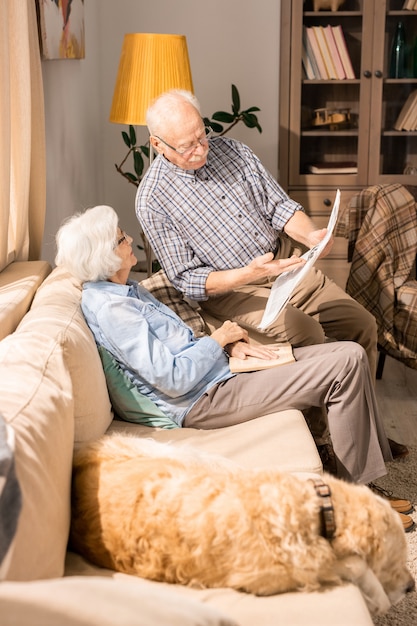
(149, 65)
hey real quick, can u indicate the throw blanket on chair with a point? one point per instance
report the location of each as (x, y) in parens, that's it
(382, 229)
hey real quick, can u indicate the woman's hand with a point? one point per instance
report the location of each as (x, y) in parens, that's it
(242, 350)
(229, 332)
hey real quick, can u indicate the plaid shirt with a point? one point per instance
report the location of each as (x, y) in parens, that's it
(218, 217)
(381, 223)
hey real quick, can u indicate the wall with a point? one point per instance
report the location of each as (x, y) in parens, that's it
(229, 41)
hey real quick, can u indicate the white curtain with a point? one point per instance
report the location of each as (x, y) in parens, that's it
(22, 134)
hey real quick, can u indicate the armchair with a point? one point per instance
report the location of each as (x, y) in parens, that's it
(381, 224)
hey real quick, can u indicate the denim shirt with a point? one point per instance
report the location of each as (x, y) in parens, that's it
(158, 352)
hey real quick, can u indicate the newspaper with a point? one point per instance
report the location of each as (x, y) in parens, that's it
(286, 282)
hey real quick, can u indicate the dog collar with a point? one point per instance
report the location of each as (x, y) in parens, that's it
(327, 519)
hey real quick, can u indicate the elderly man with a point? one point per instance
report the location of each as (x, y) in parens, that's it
(216, 220)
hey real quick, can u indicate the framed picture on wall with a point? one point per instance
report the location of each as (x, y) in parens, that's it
(61, 28)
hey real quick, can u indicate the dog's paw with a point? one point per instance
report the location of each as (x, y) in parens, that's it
(355, 570)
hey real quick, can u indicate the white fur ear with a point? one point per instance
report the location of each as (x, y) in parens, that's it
(355, 570)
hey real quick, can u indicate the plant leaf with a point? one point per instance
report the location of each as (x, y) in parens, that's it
(218, 128)
(132, 134)
(224, 116)
(138, 163)
(126, 139)
(132, 177)
(145, 151)
(251, 121)
(235, 100)
(251, 109)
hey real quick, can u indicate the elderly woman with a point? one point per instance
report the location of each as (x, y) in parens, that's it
(189, 378)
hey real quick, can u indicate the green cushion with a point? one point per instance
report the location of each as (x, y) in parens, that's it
(128, 403)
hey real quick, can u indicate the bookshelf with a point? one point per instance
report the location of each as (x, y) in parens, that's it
(366, 109)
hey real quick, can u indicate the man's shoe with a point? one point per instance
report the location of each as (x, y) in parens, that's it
(408, 522)
(398, 450)
(398, 504)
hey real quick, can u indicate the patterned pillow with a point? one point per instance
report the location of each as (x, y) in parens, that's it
(161, 288)
(128, 403)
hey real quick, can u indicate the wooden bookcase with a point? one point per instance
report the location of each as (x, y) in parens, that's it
(373, 99)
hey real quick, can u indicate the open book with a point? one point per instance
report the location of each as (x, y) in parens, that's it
(251, 363)
(286, 282)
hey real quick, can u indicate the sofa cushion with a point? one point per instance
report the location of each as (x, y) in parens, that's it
(18, 284)
(161, 288)
(281, 440)
(333, 606)
(36, 402)
(96, 601)
(56, 312)
(128, 403)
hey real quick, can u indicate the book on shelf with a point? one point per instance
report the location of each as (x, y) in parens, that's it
(284, 354)
(408, 113)
(325, 52)
(333, 167)
(310, 54)
(307, 64)
(311, 35)
(410, 5)
(343, 51)
(334, 52)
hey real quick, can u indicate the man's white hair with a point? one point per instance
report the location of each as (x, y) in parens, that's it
(165, 107)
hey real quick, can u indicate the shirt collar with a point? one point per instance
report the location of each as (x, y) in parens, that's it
(106, 285)
(186, 174)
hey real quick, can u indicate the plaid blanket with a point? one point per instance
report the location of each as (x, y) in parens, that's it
(381, 222)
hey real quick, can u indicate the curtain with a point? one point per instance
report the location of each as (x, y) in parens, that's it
(22, 134)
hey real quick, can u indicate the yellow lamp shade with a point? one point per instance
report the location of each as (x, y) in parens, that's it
(150, 64)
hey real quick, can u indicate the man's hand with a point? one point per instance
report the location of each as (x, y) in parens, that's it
(266, 265)
(229, 332)
(316, 236)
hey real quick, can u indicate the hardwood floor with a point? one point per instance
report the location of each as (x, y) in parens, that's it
(397, 399)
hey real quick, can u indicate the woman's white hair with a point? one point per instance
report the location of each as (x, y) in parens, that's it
(86, 244)
(165, 106)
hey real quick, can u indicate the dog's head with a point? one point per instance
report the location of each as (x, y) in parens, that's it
(388, 554)
(371, 546)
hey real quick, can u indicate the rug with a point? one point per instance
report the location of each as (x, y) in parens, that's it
(402, 481)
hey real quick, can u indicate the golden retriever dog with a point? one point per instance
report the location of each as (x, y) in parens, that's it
(172, 514)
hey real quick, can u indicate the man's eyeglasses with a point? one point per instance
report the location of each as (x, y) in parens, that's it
(208, 131)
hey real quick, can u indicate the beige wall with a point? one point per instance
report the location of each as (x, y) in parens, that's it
(229, 41)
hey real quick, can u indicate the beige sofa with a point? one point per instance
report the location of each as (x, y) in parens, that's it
(54, 395)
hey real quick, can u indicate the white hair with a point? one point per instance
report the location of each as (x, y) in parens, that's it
(86, 244)
(166, 106)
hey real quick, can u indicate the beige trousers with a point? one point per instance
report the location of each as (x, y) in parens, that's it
(331, 376)
(318, 309)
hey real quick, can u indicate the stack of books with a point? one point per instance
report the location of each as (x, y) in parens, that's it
(407, 119)
(410, 5)
(325, 54)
